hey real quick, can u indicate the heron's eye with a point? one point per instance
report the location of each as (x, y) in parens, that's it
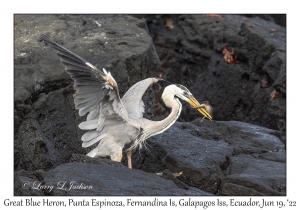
(185, 93)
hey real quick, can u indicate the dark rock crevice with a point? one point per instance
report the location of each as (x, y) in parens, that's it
(49, 87)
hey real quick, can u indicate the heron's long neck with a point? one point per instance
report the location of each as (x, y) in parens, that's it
(176, 106)
(156, 127)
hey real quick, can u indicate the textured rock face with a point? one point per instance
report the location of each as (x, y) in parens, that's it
(49, 134)
(119, 44)
(105, 178)
(255, 175)
(209, 158)
(223, 158)
(191, 54)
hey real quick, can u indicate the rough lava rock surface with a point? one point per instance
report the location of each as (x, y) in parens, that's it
(224, 157)
(215, 157)
(105, 177)
(191, 54)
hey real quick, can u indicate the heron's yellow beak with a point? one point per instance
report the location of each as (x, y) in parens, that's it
(195, 104)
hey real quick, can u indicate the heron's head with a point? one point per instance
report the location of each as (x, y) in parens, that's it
(183, 93)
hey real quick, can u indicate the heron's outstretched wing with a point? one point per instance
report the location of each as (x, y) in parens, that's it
(132, 99)
(96, 93)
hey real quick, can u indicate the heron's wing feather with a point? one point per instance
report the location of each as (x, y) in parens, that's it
(94, 88)
(132, 99)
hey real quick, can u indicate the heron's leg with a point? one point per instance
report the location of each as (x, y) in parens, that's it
(128, 153)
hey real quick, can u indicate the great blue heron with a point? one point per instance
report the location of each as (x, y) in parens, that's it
(113, 121)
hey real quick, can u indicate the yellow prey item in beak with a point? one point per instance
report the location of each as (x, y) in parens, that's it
(195, 104)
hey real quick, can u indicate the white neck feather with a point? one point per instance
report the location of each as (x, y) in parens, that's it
(173, 103)
(156, 127)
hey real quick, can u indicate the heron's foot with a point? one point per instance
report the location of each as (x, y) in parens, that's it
(166, 174)
(178, 174)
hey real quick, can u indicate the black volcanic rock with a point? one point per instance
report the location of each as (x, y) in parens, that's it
(250, 174)
(223, 158)
(49, 135)
(120, 44)
(191, 55)
(108, 179)
(24, 182)
(210, 157)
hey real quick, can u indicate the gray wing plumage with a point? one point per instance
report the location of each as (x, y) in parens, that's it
(89, 82)
(97, 94)
(132, 99)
